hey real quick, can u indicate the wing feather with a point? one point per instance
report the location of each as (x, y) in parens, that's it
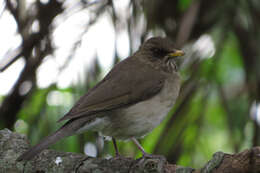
(127, 83)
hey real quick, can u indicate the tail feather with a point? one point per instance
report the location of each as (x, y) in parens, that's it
(69, 128)
(45, 143)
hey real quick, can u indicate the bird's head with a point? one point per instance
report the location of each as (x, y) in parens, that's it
(162, 50)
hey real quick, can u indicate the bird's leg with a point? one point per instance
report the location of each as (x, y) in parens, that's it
(115, 146)
(145, 154)
(139, 146)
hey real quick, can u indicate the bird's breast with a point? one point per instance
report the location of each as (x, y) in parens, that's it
(139, 119)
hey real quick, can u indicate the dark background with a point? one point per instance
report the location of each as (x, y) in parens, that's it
(218, 105)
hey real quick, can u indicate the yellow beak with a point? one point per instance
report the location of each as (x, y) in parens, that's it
(176, 53)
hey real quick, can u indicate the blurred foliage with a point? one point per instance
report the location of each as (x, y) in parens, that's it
(220, 82)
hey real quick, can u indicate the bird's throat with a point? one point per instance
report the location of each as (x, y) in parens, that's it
(170, 65)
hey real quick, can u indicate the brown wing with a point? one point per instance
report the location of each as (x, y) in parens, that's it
(127, 83)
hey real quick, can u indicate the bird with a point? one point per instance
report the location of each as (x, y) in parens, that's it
(129, 102)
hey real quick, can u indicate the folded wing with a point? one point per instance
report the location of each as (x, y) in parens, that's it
(127, 83)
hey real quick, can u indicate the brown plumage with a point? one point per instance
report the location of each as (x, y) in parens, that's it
(133, 97)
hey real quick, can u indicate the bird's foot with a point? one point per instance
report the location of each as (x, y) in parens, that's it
(150, 162)
(118, 156)
(153, 156)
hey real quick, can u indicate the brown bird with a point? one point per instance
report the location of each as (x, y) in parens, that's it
(132, 99)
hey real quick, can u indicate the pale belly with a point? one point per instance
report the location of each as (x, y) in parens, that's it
(139, 119)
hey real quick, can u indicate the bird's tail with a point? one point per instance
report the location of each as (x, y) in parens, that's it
(69, 128)
(45, 143)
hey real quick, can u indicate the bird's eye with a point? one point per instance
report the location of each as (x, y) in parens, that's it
(157, 50)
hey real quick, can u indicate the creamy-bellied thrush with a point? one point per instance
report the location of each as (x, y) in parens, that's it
(132, 99)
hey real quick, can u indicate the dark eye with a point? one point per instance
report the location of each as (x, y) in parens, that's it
(159, 52)
(156, 50)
